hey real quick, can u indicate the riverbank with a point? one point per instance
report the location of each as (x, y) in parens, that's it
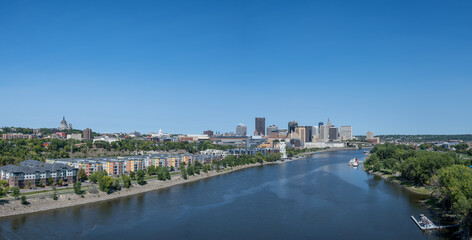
(405, 185)
(14, 207)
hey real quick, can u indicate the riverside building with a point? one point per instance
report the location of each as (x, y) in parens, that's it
(32, 173)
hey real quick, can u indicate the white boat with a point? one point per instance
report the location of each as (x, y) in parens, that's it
(354, 162)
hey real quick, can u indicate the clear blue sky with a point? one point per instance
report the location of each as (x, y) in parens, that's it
(391, 67)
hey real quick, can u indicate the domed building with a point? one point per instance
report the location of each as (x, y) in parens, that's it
(63, 125)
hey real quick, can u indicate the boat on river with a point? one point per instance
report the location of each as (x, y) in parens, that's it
(354, 162)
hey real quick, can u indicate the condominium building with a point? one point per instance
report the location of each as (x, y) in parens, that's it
(33, 173)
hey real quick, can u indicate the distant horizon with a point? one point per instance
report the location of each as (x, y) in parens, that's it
(222, 132)
(189, 66)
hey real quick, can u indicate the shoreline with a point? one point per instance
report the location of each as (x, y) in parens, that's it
(386, 177)
(9, 208)
(14, 207)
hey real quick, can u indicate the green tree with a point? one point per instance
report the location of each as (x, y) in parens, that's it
(4, 183)
(184, 173)
(105, 184)
(60, 182)
(117, 184)
(15, 192)
(126, 181)
(50, 182)
(167, 174)
(23, 200)
(190, 170)
(81, 175)
(96, 176)
(2, 192)
(140, 177)
(132, 175)
(54, 195)
(151, 170)
(78, 188)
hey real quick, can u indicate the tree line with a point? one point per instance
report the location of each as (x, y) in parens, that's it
(16, 150)
(446, 173)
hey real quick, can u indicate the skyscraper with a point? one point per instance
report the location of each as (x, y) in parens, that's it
(260, 125)
(300, 131)
(271, 129)
(241, 130)
(345, 132)
(291, 126)
(308, 133)
(333, 133)
(87, 134)
(324, 133)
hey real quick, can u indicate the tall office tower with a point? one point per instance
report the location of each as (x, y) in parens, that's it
(319, 126)
(315, 131)
(291, 126)
(272, 129)
(308, 134)
(260, 126)
(328, 123)
(324, 133)
(333, 133)
(345, 132)
(209, 133)
(300, 131)
(241, 130)
(87, 134)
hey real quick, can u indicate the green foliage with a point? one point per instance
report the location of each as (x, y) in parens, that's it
(117, 184)
(415, 166)
(96, 176)
(50, 181)
(126, 181)
(190, 170)
(105, 184)
(81, 175)
(16, 150)
(54, 195)
(60, 182)
(152, 170)
(78, 188)
(15, 192)
(455, 189)
(183, 171)
(4, 183)
(132, 175)
(140, 177)
(23, 200)
(2, 192)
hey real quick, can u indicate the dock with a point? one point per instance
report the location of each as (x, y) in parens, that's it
(425, 224)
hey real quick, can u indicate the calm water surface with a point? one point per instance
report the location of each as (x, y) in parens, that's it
(317, 198)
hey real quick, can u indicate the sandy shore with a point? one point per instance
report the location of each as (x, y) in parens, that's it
(14, 207)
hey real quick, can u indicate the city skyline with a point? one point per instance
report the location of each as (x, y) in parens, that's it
(390, 68)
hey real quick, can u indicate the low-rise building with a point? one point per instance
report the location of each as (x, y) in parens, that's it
(33, 173)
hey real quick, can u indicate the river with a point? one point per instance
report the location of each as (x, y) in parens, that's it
(320, 197)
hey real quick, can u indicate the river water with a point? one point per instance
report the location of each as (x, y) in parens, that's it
(317, 198)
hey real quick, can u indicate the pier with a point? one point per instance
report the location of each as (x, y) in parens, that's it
(425, 224)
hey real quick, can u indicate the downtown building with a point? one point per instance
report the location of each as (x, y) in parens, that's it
(260, 126)
(345, 132)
